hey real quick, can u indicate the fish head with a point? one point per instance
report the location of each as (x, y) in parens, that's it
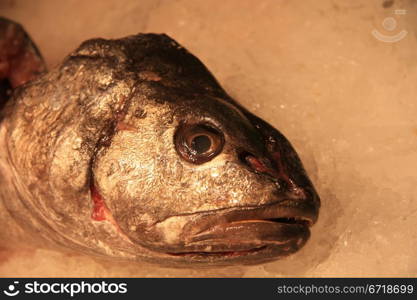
(193, 176)
(137, 152)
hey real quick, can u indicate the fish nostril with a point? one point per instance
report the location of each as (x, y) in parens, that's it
(257, 165)
(252, 162)
(260, 166)
(244, 157)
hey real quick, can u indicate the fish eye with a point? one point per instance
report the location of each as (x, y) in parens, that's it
(201, 144)
(198, 143)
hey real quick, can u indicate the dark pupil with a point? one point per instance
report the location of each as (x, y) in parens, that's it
(201, 144)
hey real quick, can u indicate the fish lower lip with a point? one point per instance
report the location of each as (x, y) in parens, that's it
(249, 233)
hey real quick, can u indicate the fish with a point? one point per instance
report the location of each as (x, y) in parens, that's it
(131, 150)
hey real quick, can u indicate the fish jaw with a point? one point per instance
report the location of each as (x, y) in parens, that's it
(240, 235)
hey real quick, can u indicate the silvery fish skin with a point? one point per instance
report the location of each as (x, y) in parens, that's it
(130, 149)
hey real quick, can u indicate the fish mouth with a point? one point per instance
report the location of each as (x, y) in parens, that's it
(252, 237)
(246, 234)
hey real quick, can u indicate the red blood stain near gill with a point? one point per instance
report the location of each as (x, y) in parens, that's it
(102, 213)
(100, 210)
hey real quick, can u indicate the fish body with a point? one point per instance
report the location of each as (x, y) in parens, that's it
(130, 149)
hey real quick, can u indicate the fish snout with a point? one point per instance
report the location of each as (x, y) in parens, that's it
(287, 173)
